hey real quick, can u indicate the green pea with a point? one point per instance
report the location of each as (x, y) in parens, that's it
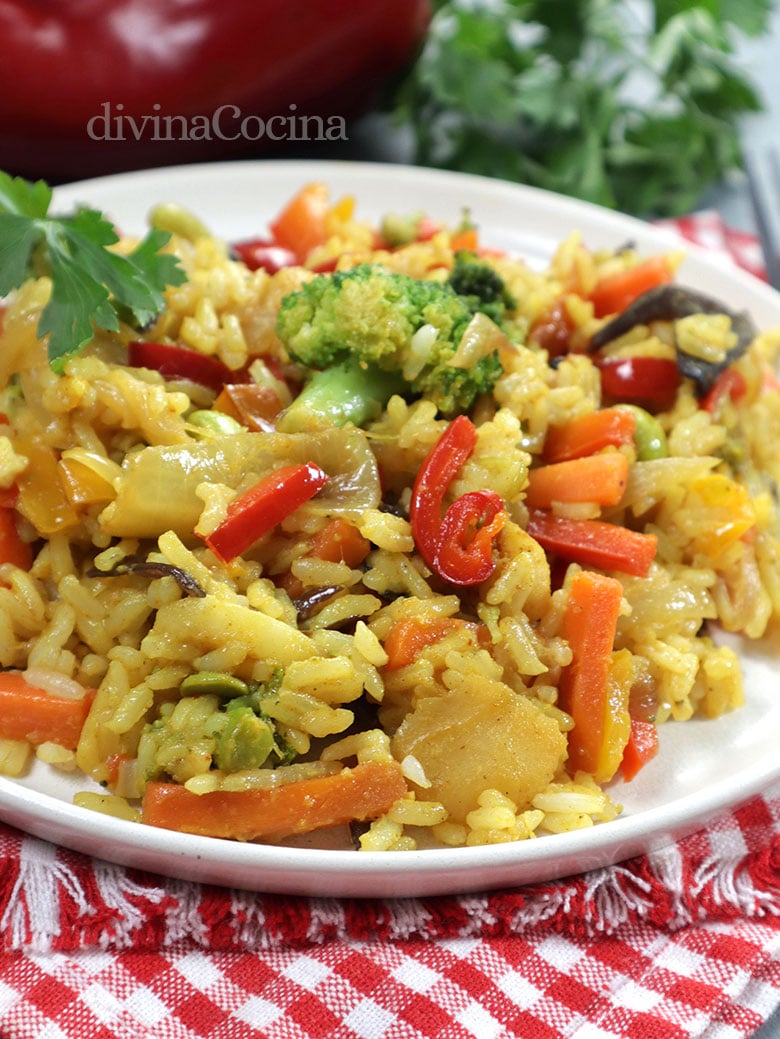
(169, 216)
(213, 683)
(243, 742)
(649, 436)
(215, 422)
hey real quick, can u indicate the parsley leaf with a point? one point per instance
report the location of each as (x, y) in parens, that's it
(92, 285)
(633, 106)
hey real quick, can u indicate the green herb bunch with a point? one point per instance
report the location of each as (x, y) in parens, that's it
(92, 286)
(632, 104)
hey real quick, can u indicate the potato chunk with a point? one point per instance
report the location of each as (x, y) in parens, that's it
(481, 735)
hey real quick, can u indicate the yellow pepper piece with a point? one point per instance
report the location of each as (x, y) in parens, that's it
(724, 512)
(617, 720)
(342, 210)
(82, 485)
(42, 498)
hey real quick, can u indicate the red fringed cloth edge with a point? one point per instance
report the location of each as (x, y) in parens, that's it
(55, 900)
(52, 899)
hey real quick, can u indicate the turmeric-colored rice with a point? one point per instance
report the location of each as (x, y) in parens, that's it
(92, 463)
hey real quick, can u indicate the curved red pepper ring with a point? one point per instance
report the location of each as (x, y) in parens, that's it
(470, 524)
(458, 545)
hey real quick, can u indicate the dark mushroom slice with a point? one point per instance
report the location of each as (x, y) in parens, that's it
(670, 303)
(152, 570)
(308, 604)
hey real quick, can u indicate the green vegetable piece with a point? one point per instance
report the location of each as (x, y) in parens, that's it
(242, 740)
(218, 422)
(171, 217)
(346, 392)
(92, 285)
(397, 230)
(215, 683)
(365, 321)
(649, 435)
(481, 285)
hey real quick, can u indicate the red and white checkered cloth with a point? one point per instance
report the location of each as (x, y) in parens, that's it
(679, 944)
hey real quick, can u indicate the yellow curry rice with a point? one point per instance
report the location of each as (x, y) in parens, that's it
(294, 661)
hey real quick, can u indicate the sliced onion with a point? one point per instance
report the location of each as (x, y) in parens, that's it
(157, 489)
(482, 338)
(106, 468)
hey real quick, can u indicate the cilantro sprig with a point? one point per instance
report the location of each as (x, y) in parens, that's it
(92, 285)
(630, 105)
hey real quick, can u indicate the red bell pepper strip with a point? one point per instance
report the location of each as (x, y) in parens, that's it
(178, 362)
(12, 548)
(651, 382)
(617, 291)
(458, 545)
(594, 543)
(256, 512)
(642, 746)
(729, 385)
(426, 229)
(262, 254)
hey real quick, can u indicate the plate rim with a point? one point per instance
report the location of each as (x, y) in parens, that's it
(629, 832)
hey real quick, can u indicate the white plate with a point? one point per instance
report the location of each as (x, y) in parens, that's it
(702, 767)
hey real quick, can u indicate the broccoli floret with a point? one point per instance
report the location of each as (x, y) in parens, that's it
(481, 285)
(369, 333)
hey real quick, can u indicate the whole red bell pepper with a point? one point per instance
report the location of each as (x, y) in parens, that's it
(73, 75)
(457, 546)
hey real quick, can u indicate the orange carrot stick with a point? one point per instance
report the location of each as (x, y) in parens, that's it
(363, 792)
(466, 238)
(408, 637)
(598, 478)
(588, 690)
(32, 714)
(340, 542)
(610, 427)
